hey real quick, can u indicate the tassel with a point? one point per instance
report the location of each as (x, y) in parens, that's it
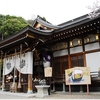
(13, 85)
(3, 85)
(19, 85)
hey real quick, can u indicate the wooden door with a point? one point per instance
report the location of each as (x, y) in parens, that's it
(59, 65)
(77, 60)
(56, 67)
(38, 69)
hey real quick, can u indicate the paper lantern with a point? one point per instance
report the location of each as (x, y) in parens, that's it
(87, 40)
(97, 37)
(71, 43)
(79, 42)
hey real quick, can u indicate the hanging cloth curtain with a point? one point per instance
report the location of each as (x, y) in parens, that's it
(8, 65)
(26, 63)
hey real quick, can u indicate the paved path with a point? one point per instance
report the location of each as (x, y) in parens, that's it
(56, 95)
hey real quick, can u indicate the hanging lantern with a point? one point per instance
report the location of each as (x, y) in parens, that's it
(71, 43)
(79, 42)
(97, 37)
(87, 40)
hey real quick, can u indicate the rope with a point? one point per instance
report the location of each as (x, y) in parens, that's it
(3, 83)
(19, 83)
(13, 85)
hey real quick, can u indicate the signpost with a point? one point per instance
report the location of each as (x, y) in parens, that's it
(78, 76)
(48, 74)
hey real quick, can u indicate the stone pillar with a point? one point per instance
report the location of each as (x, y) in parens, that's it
(63, 87)
(29, 83)
(54, 87)
(81, 89)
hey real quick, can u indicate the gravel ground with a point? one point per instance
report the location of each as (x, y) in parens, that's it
(56, 95)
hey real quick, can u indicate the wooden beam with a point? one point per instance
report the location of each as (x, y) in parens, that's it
(28, 35)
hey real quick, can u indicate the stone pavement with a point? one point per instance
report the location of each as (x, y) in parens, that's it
(55, 95)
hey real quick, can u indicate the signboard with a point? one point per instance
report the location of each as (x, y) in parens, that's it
(77, 76)
(48, 71)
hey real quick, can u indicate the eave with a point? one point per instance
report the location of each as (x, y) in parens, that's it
(75, 22)
(77, 29)
(27, 34)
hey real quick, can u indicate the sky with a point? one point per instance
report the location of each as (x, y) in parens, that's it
(55, 11)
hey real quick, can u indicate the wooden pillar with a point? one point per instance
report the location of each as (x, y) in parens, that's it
(29, 83)
(1, 64)
(84, 57)
(69, 58)
(69, 61)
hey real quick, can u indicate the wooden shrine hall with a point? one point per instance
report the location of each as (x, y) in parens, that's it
(70, 44)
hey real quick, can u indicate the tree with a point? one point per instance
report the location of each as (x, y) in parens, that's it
(10, 25)
(1, 19)
(30, 22)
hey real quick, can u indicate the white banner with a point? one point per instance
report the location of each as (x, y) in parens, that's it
(8, 65)
(24, 64)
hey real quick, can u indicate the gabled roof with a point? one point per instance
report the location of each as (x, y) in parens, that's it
(45, 23)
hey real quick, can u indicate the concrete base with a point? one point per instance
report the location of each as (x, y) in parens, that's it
(3, 89)
(81, 91)
(42, 90)
(29, 91)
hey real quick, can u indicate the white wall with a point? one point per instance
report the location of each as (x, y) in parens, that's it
(93, 61)
(60, 53)
(76, 49)
(92, 46)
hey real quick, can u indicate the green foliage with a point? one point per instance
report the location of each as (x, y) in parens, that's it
(1, 19)
(11, 24)
(44, 18)
(30, 22)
